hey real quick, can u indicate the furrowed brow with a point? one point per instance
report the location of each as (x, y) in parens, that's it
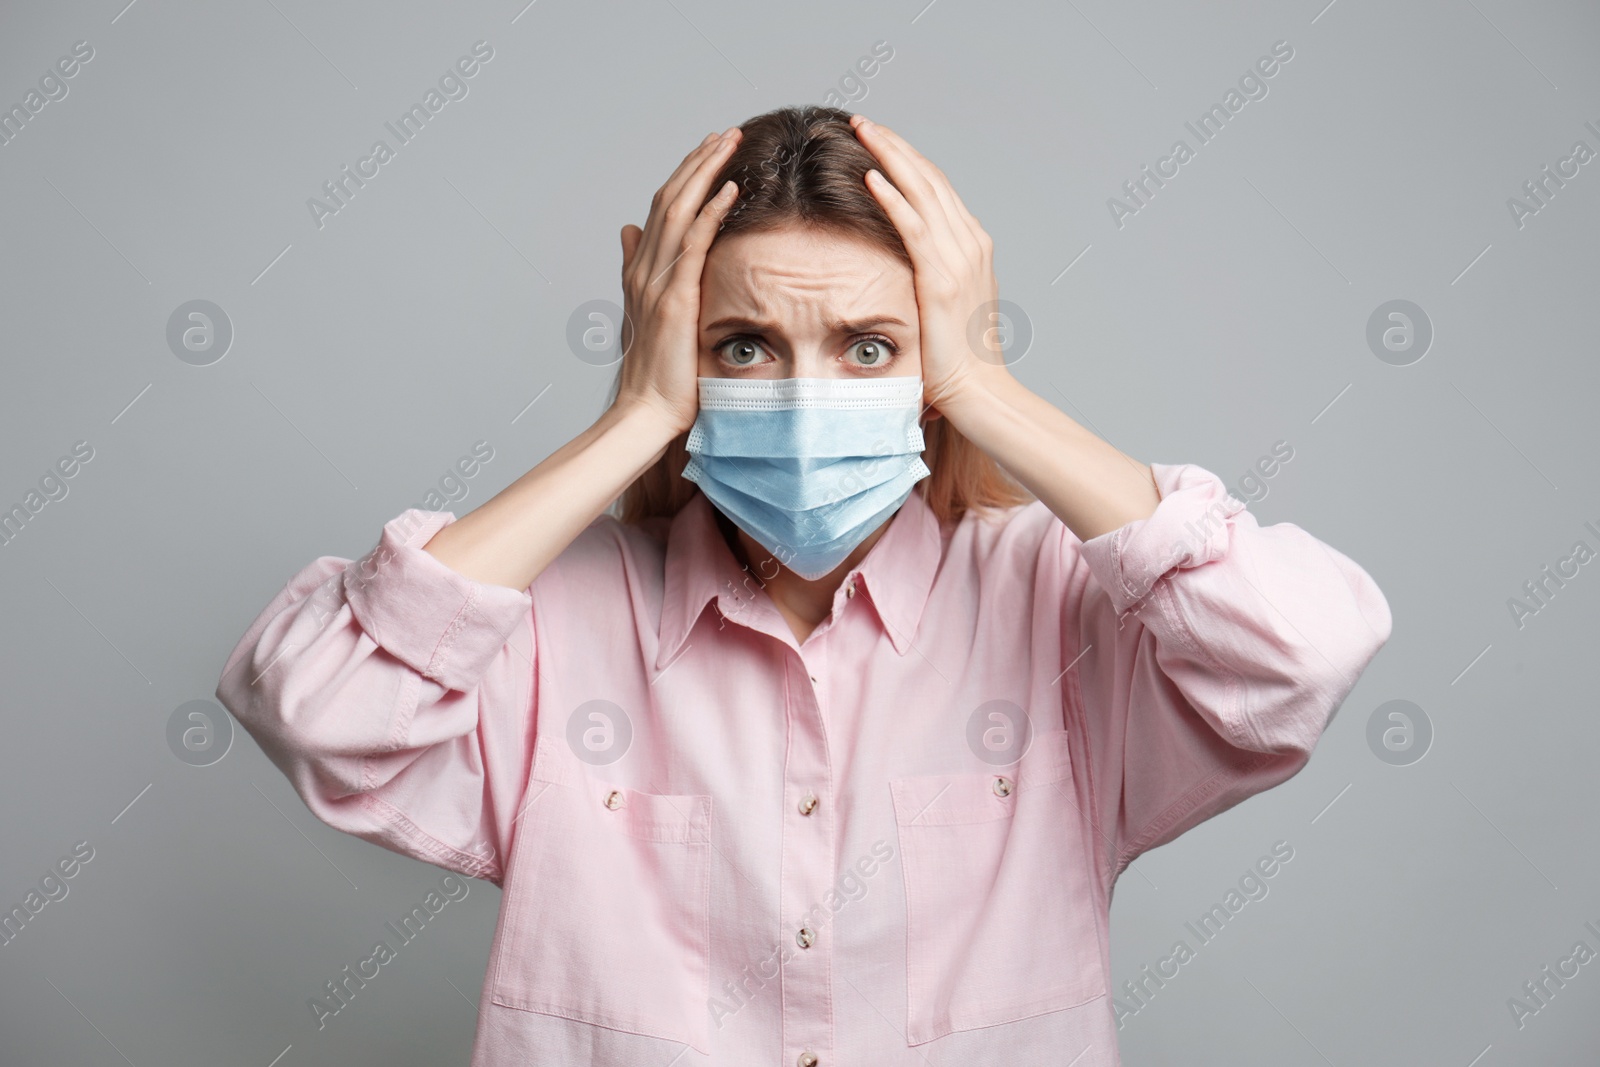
(866, 325)
(739, 322)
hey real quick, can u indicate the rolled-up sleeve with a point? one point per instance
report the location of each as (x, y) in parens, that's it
(1207, 653)
(398, 696)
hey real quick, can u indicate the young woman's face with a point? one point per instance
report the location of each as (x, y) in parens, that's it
(796, 303)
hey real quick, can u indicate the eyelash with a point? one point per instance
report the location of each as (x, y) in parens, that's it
(876, 338)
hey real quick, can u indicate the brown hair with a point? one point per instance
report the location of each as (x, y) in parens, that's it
(802, 166)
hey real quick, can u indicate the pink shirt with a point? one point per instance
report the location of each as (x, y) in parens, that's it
(754, 851)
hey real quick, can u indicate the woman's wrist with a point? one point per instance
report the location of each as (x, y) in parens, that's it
(1085, 481)
(976, 388)
(643, 421)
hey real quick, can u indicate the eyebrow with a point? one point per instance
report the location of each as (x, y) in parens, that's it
(738, 322)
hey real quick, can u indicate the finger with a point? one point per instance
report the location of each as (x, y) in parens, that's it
(630, 244)
(712, 143)
(689, 161)
(716, 146)
(913, 228)
(912, 183)
(942, 184)
(690, 259)
(963, 226)
(677, 215)
(660, 195)
(926, 165)
(900, 168)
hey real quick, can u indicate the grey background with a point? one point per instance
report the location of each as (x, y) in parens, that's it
(1230, 313)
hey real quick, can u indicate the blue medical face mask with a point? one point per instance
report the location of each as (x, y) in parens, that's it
(807, 466)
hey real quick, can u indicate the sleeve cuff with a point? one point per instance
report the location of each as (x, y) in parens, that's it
(1190, 526)
(434, 619)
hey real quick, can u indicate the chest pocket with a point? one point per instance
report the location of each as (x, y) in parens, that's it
(608, 904)
(1000, 909)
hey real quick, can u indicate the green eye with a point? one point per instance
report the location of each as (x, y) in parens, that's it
(873, 351)
(740, 352)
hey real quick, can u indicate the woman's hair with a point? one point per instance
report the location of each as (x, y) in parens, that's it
(803, 167)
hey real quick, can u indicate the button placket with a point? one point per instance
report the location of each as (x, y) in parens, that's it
(807, 847)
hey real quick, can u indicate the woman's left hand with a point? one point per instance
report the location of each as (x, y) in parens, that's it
(952, 261)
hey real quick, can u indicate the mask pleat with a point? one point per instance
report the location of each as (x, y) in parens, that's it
(808, 467)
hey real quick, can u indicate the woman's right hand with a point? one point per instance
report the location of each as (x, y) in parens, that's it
(661, 267)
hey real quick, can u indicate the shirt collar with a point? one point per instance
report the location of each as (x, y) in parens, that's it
(897, 574)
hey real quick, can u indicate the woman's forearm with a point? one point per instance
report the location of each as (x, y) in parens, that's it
(1084, 481)
(510, 538)
(514, 536)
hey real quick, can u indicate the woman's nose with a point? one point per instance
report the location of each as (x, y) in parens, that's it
(812, 361)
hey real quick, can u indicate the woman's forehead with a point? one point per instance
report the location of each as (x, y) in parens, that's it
(831, 273)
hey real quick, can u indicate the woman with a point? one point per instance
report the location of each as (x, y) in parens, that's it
(835, 741)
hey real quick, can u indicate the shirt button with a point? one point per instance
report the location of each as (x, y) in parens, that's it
(808, 804)
(850, 590)
(813, 677)
(808, 1059)
(1002, 786)
(614, 799)
(804, 937)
